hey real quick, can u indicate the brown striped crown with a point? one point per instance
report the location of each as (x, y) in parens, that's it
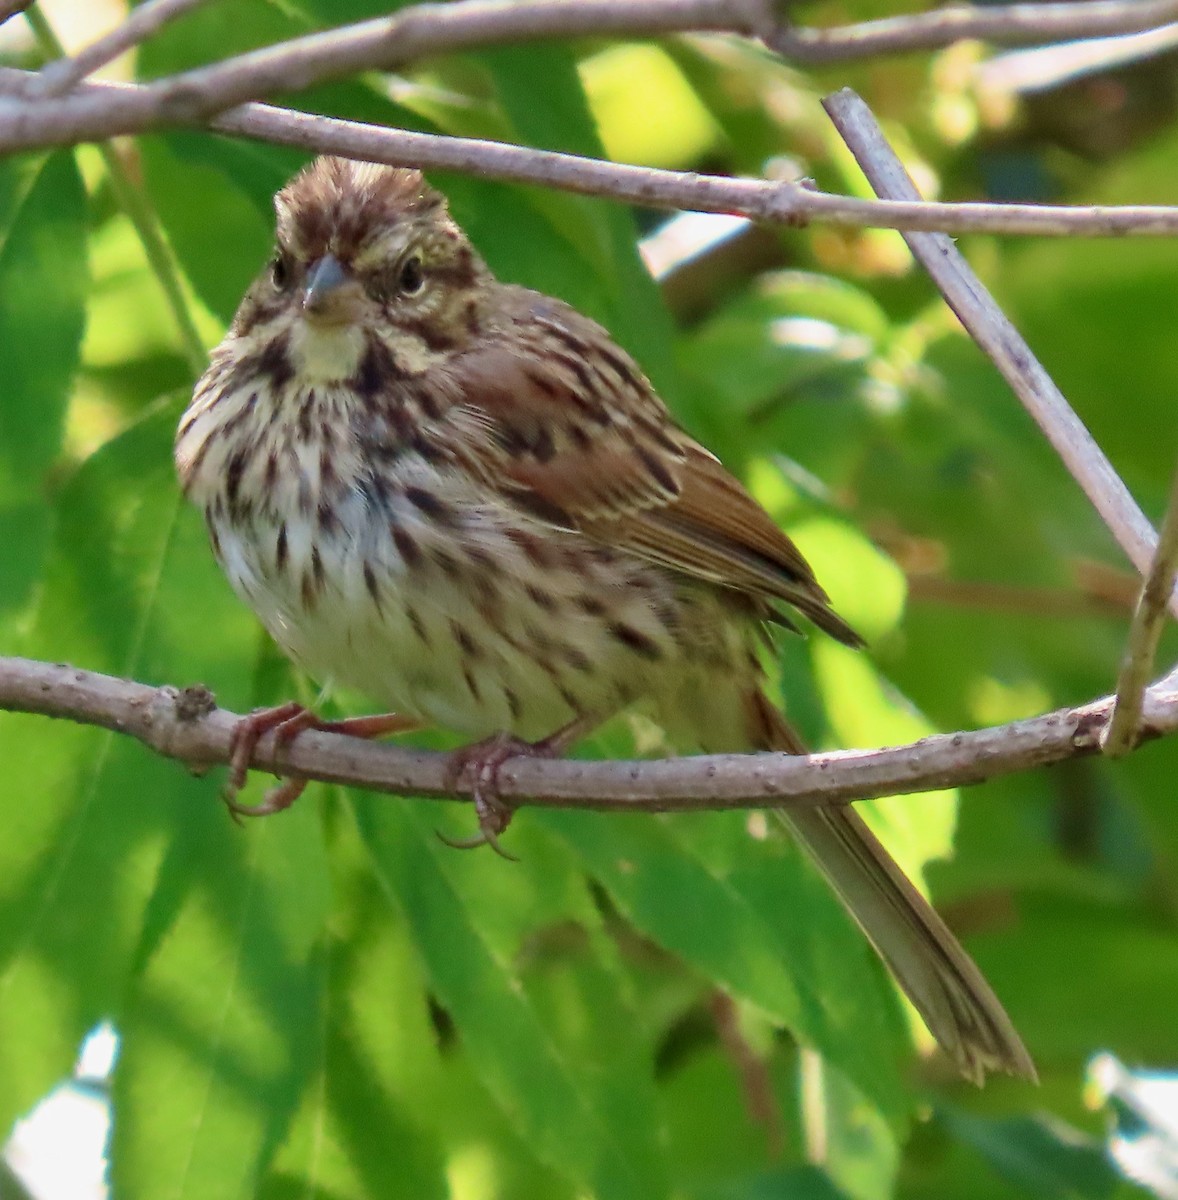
(373, 223)
(340, 207)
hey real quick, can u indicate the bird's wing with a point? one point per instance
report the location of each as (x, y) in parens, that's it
(562, 421)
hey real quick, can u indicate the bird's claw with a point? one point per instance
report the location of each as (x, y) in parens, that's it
(286, 722)
(484, 759)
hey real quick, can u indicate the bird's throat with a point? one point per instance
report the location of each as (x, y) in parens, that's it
(325, 353)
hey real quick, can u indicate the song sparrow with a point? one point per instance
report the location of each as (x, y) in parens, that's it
(464, 499)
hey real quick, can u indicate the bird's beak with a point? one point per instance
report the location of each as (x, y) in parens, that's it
(330, 293)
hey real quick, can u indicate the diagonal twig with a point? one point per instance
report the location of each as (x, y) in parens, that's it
(1144, 634)
(997, 337)
(59, 76)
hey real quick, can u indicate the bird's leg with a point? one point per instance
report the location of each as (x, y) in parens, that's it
(286, 722)
(483, 760)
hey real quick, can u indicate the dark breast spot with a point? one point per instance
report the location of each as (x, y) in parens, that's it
(636, 640)
(429, 504)
(466, 642)
(376, 370)
(416, 623)
(306, 410)
(536, 550)
(407, 548)
(540, 597)
(371, 584)
(576, 658)
(273, 362)
(233, 472)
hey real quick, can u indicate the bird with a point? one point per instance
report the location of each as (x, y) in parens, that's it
(464, 499)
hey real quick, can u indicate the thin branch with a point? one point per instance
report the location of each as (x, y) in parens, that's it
(980, 595)
(427, 30)
(1027, 71)
(1012, 25)
(187, 725)
(1144, 634)
(411, 34)
(997, 337)
(771, 202)
(775, 202)
(62, 74)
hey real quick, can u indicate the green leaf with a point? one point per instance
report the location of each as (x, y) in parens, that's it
(757, 921)
(220, 266)
(42, 316)
(1042, 1154)
(222, 1031)
(796, 1183)
(367, 1123)
(579, 1121)
(69, 920)
(617, 289)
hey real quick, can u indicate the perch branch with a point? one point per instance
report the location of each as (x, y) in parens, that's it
(1144, 634)
(997, 337)
(187, 725)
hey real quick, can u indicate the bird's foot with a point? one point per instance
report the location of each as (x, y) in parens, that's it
(483, 760)
(286, 722)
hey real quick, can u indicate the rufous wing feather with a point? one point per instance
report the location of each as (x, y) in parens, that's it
(575, 432)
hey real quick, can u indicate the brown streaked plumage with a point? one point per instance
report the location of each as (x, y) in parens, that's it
(464, 499)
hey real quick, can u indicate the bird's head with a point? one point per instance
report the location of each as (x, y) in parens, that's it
(364, 251)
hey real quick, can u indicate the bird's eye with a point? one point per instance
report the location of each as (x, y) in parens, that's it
(280, 270)
(412, 278)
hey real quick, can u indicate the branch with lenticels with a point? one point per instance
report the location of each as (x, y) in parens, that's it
(186, 724)
(785, 202)
(56, 107)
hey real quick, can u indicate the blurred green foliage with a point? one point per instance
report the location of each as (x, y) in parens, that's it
(331, 1004)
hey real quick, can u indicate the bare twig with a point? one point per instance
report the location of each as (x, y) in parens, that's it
(192, 97)
(1010, 24)
(773, 202)
(988, 326)
(753, 1072)
(187, 726)
(1046, 67)
(421, 31)
(762, 200)
(1144, 634)
(1050, 603)
(59, 76)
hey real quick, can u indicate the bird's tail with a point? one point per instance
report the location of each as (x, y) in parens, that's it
(942, 981)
